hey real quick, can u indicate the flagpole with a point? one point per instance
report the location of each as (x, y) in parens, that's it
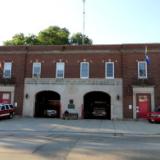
(145, 52)
(83, 22)
(147, 59)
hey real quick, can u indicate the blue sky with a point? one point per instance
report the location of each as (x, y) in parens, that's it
(107, 21)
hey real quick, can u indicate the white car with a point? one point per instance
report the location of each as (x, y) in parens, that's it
(50, 113)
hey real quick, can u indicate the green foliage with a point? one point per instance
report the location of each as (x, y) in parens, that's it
(20, 39)
(17, 39)
(77, 39)
(32, 40)
(52, 35)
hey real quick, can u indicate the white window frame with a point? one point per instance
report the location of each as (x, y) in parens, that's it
(106, 70)
(81, 70)
(7, 67)
(146, 75)
(60, 66)
(36, 64)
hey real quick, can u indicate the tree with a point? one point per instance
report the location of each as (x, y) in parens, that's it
(17, 39)
(54, 35)
(20, 39)
(32, 40)
(77, 39)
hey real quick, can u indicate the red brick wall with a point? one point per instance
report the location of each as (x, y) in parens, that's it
(124, 56)
(18, 68)
(72, 64)
(130, 74)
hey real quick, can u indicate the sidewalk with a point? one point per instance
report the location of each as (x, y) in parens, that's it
(80, 126)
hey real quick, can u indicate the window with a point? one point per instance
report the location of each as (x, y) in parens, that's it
(142, 70)
(84, 70)
(36, 71)
(60, 70)
(11, 106)
(7, 70)
(7, 107)
(109, 70)
(3, 108)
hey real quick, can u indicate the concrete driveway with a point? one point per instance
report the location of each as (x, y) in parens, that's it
(79, 126)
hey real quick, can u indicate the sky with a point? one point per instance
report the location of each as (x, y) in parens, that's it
(106, 21)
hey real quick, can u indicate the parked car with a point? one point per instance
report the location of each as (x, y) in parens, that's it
(50, 112)
(7, 110)
(154, 116)
(11, 106)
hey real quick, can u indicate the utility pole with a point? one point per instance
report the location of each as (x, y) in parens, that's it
(83, 42)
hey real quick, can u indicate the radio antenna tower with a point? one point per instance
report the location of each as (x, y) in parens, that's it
(83, 36)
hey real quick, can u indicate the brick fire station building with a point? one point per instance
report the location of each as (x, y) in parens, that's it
(115, 77)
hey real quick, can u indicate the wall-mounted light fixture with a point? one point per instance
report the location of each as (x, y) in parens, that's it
(118, 97)
(26, 96)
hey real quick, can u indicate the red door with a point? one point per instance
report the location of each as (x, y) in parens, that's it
(143, 103)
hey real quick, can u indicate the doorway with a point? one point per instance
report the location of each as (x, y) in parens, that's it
(47, 104)
(143, 104)
(97, 105)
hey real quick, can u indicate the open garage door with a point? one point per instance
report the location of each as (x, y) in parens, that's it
(47, 104)
(97, 105)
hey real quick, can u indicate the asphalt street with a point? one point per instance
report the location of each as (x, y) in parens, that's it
(57, 146)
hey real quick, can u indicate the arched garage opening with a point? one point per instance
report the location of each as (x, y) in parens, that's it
(47, 104)
(97, 105)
